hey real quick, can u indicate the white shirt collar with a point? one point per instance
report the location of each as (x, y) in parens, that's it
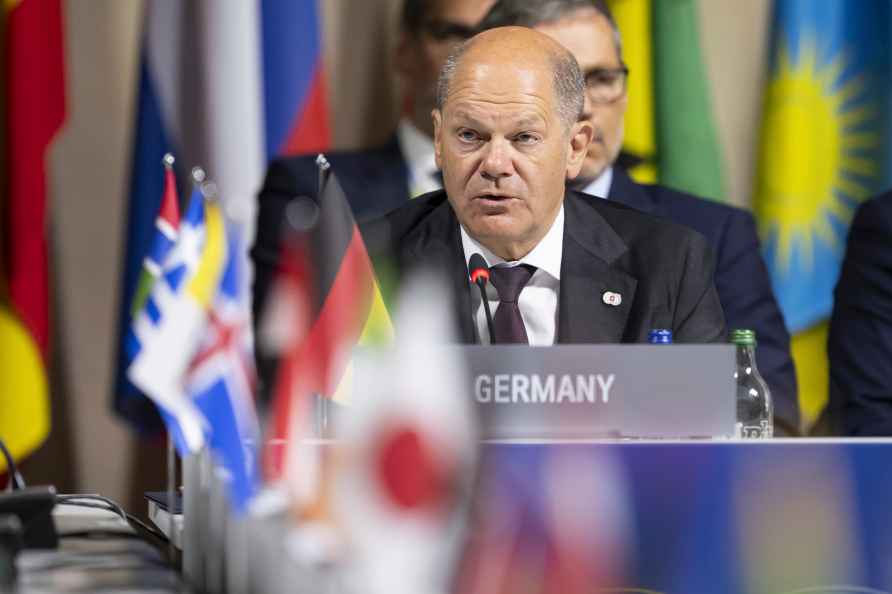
(600, 186)
(546, 256)
(418, 153)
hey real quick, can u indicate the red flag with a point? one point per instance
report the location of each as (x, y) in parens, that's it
(35, 105)
(35, 110)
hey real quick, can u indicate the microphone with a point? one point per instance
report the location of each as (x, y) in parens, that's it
(480, 276)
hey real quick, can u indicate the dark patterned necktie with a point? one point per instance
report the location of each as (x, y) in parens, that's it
(507, 322)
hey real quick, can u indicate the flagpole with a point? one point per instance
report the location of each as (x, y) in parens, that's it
(168, 161)
(321, 402)
(171, 497)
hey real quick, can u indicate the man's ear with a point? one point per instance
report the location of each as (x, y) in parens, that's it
(581, 135)
(438, 136)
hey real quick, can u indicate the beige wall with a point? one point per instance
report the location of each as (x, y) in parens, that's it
(90, 166)
(88, 212)
(734, 37)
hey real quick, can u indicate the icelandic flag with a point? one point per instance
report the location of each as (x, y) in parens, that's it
(168, 330)
(221, 379)
(230, 85)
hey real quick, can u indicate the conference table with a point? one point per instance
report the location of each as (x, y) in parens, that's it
(98, 552)
(767, 517)
(651, 516)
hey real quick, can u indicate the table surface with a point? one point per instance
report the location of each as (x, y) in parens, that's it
(98, 552)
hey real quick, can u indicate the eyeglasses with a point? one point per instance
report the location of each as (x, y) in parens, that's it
(448, 30)
(606, 85)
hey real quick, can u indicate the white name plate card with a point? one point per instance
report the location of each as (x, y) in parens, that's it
(581, 391)
(603, 391)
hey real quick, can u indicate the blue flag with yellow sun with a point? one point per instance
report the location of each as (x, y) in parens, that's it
(825, 147)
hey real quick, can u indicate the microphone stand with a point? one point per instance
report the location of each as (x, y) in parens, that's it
(480, 282)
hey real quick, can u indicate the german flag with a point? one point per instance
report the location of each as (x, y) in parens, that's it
(332, 302)
(34, 97)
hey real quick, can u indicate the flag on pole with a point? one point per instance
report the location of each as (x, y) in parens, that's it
(132, 404)
(227, 84)
(826, 145)
(167, 225)
(346, 305)
(409, 450)
(221, 379)
(34, 93)
(168, 330)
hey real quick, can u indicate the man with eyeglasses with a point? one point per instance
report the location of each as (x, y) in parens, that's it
(588, 30)
(379, 179)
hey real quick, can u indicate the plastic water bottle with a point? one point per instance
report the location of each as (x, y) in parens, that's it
(755, 409)
(659, 336)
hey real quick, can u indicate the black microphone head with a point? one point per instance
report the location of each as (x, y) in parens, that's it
(478, 268)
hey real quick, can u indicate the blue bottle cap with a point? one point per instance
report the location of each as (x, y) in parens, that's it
(659, 336)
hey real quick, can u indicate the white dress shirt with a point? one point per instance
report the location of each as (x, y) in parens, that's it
(418, 153)
(538, 301)
(600, 186)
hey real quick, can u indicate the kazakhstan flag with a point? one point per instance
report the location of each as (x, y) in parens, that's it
(825, 142)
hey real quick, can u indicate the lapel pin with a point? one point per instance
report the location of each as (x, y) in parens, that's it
(611, 298)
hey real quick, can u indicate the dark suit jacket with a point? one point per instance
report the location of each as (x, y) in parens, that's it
(860, 340)
(741, 279)
(663, 271)
(374, 181)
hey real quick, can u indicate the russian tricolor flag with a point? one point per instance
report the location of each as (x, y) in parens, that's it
(228, 85)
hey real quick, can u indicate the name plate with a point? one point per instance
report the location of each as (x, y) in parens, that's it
(603, 391)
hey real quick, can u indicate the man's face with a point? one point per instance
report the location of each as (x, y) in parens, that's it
(505, 152)
(589, 38)
(420, 56)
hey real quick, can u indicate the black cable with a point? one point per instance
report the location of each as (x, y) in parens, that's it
(100, 533)
(110, 505)
(15, 478)
(83, 501)
(149, 529)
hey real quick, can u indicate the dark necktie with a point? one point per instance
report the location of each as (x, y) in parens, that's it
(507, 323)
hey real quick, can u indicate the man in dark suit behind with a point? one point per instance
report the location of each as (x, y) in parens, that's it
(378, 179)
(588, 30)
(860, 340)
(508, 134)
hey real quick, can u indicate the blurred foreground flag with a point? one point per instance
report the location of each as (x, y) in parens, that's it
(329, 276)
(227, 84)
(221, 379)
(34, 101)
(826, 145)
(168, 330)
(410, 440)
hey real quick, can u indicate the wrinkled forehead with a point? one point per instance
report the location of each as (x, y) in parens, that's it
(498, 115)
